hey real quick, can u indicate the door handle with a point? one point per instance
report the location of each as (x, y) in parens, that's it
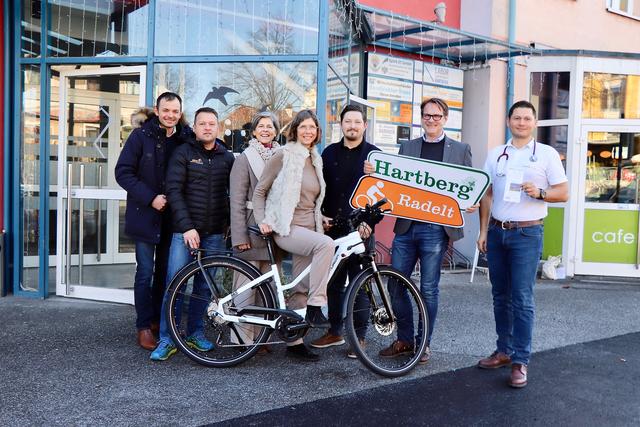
(67, 267)
(99, 218)
(81, 229)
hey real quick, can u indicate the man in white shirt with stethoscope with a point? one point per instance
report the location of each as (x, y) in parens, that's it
(525, 175)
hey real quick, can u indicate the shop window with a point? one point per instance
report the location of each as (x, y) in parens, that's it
(611, 96)
(555, 136)
(238, 90)
(613, 167)
(550, 94)
(96, 28)
(30, 174)
(230, 27)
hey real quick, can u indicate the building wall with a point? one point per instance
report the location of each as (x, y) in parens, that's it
(419, 9)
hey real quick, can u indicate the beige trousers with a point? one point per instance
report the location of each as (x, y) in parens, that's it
(308, 247)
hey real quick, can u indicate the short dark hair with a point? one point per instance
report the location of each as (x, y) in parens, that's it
(168, 96)
(352, 107)
(299, 118)
(204, 110)
(436, 101)
(522, 104)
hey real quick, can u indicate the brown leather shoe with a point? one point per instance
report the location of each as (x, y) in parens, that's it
(518, 375)
(327, 340)
(425, 356)
(146, 339)
(496, 360)
(397, 348)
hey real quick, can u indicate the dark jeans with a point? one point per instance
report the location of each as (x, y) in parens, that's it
(428, 243)
(513, 257)
(149, 282)
(336, 299)
(181, 256)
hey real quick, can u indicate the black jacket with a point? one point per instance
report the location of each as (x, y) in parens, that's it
(341, 176)
(141, 170)
(198, 188)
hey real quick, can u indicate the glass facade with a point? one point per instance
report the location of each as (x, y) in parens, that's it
(190, 49)
(30, 174)
(613, 167)
(550, 94)
(238, 90)
(555, 136)
(611, 96)
(230, 27)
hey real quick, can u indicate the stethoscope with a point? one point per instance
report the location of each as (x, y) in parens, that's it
(500, 171)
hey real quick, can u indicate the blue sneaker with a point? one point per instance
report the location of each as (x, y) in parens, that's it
(198, 341)
(163, 351)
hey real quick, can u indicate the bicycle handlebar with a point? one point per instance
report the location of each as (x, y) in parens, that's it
(370, 214)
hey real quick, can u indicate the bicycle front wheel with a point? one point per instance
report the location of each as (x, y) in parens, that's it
(190, 311)
(379, 305)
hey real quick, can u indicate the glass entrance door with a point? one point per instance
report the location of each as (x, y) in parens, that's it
(95, 259)
(609, 202)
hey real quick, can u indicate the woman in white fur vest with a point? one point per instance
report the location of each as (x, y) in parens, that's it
(287, 202)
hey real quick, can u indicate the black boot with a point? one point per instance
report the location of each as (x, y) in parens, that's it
(315, 318)
(301, 352)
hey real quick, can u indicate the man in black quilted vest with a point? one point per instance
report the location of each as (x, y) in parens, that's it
(198, 193)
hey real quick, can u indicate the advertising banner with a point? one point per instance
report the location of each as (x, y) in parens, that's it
(408, 202)
(421, 190)
(610, 236)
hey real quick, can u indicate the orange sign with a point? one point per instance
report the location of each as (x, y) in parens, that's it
(408, 202)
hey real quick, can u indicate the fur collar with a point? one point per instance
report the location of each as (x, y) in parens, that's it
(284, 194)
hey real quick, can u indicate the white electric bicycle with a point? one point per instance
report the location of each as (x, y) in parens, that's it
(241, 307)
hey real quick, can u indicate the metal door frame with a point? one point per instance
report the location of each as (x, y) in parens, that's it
(73, 289)
(597, 268)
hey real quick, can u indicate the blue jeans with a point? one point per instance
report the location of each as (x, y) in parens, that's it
(179, 256)
(513, 257)
(149, 281)
(428, 243)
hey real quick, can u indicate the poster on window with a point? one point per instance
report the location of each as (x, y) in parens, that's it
(389, 89)
(443, 76)
(390, 66)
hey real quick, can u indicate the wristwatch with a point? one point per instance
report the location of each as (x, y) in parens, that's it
(542, 195)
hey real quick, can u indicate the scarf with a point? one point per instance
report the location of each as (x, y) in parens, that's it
(264, 152)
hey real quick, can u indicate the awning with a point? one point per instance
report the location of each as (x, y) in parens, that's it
(382, 28)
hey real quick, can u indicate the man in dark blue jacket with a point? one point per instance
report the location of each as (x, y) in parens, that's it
(141, 171)
(198, 192)
(342, 168)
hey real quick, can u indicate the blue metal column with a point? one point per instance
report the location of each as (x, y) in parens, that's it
(151, 43)
(511, 63)
(6, 178)
(323, 60)
(14, 182)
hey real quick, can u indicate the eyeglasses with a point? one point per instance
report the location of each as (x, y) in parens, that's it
(305, 128)
(435, 117)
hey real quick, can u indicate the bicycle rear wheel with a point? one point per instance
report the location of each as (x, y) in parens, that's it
(369, 327)
(191, 306)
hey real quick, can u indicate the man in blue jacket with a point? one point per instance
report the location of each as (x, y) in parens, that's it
(141, 171)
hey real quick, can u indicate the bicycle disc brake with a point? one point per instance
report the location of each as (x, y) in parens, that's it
(382, 323)
(287, 335)
(212, 312)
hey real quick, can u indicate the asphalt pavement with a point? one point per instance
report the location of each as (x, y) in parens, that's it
(72, 362)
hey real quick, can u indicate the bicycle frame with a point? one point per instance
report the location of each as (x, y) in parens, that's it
(345, 247)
